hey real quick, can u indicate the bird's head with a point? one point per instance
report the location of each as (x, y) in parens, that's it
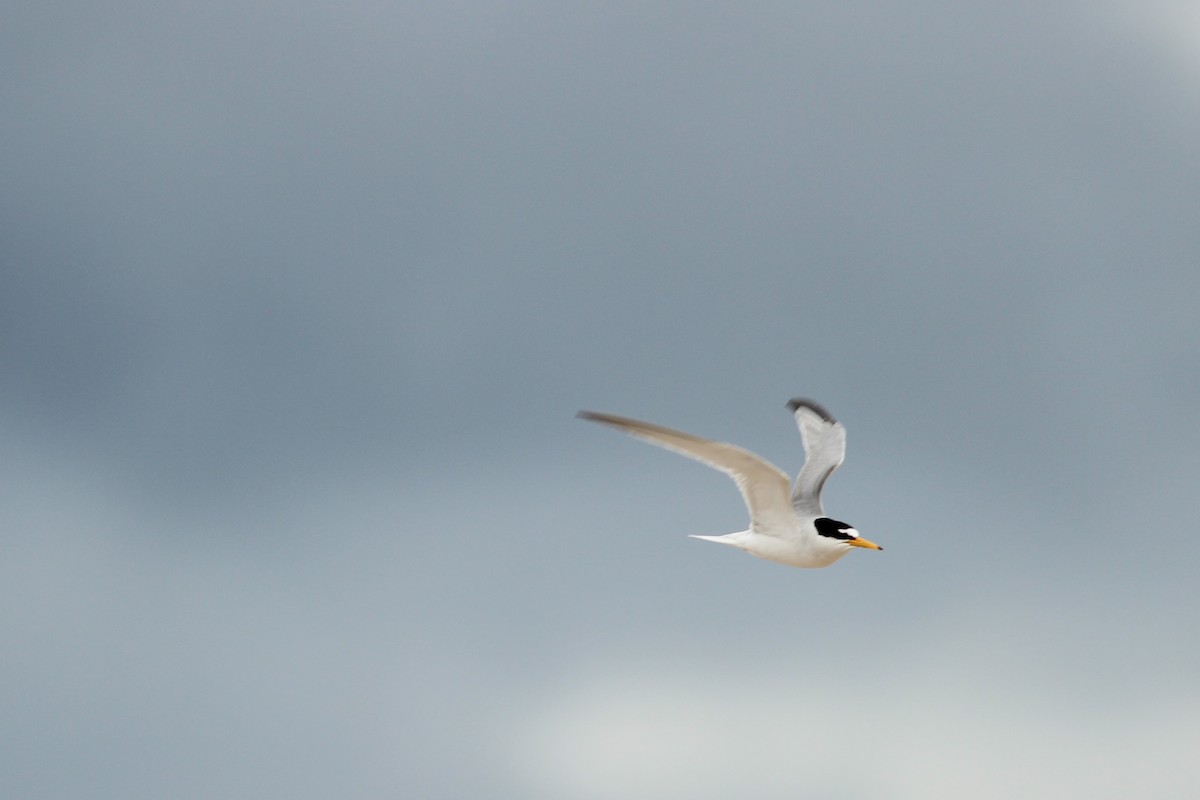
(843, 533)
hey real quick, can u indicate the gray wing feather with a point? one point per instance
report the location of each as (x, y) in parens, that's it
(824, 448)
(764, 486)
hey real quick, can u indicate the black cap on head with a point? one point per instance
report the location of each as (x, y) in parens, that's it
(834, 529)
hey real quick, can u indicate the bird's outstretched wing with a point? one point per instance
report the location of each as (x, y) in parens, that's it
(824, 449)
(763, 485)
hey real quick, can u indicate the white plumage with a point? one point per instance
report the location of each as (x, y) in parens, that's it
(785, 526)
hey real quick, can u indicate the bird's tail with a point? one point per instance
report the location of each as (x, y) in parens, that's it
(734, 539)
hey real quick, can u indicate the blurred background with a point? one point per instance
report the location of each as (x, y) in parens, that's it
(298, 301)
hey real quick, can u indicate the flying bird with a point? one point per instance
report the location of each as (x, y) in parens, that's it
(787, 523)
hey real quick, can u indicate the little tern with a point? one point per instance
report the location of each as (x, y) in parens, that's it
(789, 527)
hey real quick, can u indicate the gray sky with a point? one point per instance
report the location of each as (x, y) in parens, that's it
(298, 301)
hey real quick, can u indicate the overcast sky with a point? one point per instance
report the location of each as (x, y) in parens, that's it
(298, 301)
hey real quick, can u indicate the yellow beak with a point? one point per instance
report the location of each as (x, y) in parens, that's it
(863, 543)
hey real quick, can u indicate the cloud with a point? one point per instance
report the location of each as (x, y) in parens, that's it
(297, 307)
(930, 719)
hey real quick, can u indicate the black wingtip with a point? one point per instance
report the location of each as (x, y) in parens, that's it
(796, 403)
(596, 416)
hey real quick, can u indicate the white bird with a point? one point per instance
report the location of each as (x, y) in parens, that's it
(788, 527)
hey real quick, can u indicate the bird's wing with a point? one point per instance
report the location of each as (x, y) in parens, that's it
(764, 486)
(824, 449)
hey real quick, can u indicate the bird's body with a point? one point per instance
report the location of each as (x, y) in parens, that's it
(787, 524)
